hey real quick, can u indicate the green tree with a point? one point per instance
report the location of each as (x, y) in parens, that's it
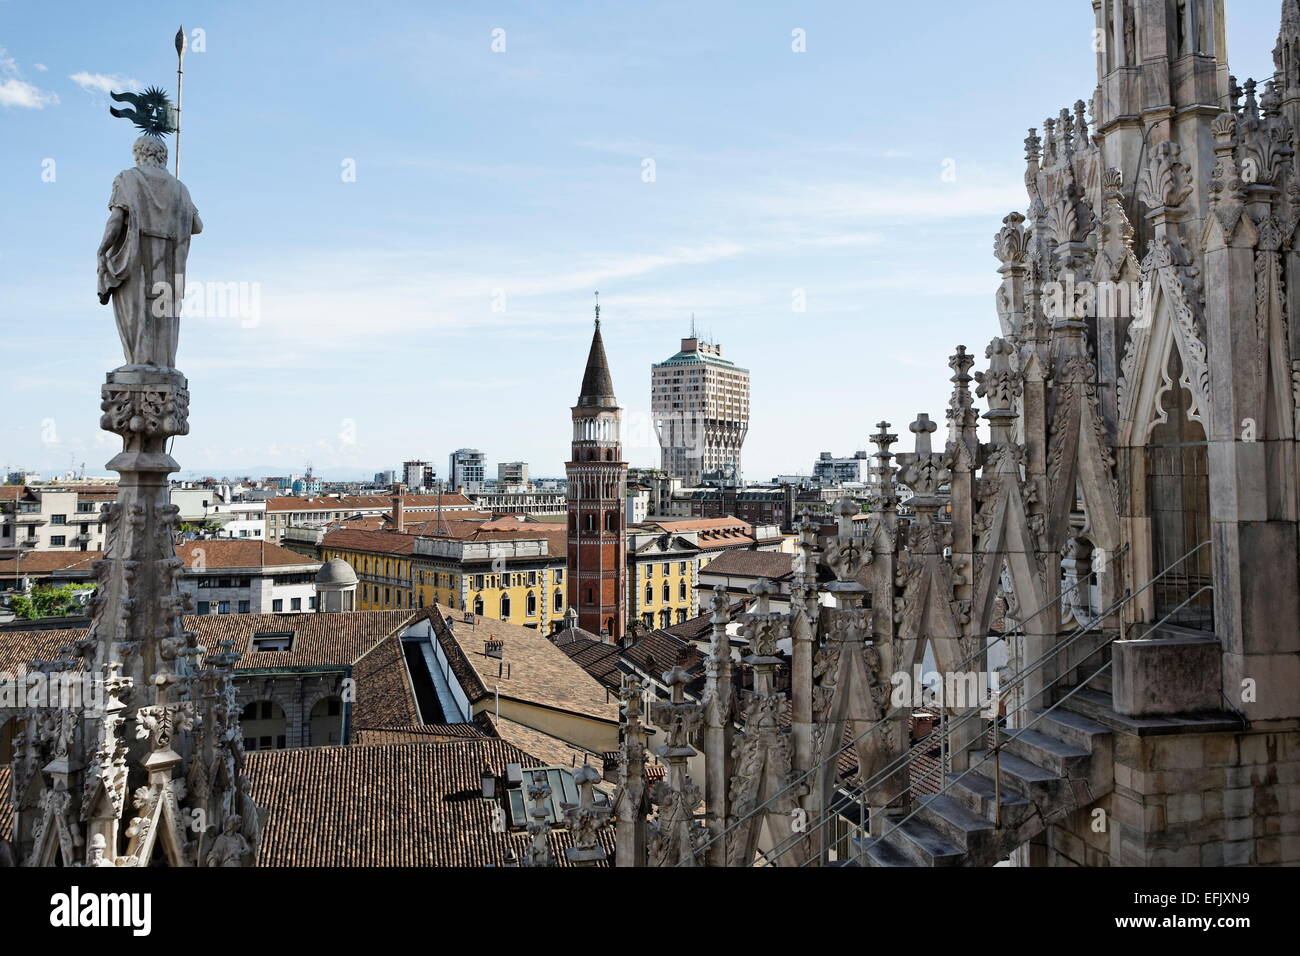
(49, 601)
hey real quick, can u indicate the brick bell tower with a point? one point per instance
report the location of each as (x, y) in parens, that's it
(597, 572)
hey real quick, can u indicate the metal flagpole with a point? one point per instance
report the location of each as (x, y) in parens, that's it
(180, 94)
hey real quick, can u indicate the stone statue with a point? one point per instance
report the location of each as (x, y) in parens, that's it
(141, 259)
(229, 849)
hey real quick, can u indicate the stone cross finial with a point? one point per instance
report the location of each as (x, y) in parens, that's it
(539, 823)
(763, 590)
(586, 819)
(922, 428)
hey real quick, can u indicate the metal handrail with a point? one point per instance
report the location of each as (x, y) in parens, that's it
(909, 756)
(781, 849)
(797, 781)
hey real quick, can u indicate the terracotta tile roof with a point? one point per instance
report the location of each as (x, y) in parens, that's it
(416, 804)
(384, 696)
(539, 672)
(657, 652)
(597, 658)
(319, 640)
(19, 648)
(756, 564)
(48, 562)
(364, 502)
(417, 734)
(379, 542)
(547, 749)
(225, 553)
(216, 553)
(700, 627)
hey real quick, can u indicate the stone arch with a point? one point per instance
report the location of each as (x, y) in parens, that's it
(264, 725)
(325, 721)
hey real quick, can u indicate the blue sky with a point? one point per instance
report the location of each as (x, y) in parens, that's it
(443, 298)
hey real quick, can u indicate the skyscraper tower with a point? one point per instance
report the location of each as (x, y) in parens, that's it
(597, 473)
(700, 403)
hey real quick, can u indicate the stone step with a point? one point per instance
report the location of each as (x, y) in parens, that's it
(923, 843)
(975, 793)
(1043, 750)
(1071, 727)
(880, 852)
(959, 824)
(1037, 783)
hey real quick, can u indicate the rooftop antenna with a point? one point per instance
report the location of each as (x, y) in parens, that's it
(692, 325)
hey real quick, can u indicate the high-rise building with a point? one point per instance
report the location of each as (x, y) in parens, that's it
(512, 474)
(418, 474)
(700, 403)
(467, 469)
(597, 579)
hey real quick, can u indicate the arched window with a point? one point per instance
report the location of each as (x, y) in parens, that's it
(478, 604)
(668, 592)
(681, 590)
(649, 594)
(263, 725)
(532, 604)
(559, 599)
(326, 722)
(591, 523)
(611, 521)
(505, 606)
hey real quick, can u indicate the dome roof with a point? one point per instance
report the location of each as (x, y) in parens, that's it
(336, 572)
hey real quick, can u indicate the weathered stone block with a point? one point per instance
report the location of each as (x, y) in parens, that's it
(1238, 803)
(1237, 853)
(1212, 854)
(1183, 808)
(1220, 749)
(1167, 675)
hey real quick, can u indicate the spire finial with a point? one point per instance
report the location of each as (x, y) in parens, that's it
(597, 310)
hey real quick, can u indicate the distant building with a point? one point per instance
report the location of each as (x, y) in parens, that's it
(837, 471)
(418, 474)
(512, 474)
(466, 469)
(385, 478)
(284, 512)
(700, 404)
(53, 517)
(306, 486)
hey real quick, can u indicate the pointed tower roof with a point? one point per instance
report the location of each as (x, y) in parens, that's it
(597, 386)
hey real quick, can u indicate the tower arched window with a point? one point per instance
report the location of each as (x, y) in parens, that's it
(591, 522)
(611, 521)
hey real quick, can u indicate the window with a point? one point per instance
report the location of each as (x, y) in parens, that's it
(272, 641)
(243, 607)
(681, 616)
(277, 605)
(505, 606)
(295, 604)
(58, 540)
(204, 607)
(312, 603)
(478, 604)
(649, 570)
(668, 592)
(223, 607)
(559, 599)
(681, 590)
(86, 507)
(649, 593)
(58, 519)
(532, 604)
(590, 523)
(681, 567)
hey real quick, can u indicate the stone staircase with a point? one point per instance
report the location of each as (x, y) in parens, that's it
(1064, 763)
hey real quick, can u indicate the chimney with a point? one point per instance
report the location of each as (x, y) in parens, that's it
(495, 649)
(399, 511)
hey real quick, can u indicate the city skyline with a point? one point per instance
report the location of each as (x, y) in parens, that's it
(442, 298)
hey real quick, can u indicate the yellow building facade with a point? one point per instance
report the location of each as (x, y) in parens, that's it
(662, 574)
(514, 577)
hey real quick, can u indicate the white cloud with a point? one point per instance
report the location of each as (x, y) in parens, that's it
(40, 67)
(15, 91)
(103, 82)
(20, 93)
